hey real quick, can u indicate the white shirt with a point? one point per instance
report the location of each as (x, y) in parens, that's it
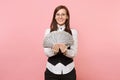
(59, 68)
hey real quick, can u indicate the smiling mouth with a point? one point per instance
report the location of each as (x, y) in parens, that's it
(61, 20)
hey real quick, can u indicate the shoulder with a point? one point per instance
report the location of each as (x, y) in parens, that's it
(74, 31)
(47, 31)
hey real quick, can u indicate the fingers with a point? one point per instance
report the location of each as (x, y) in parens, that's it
(60, 46)
(63, 48)
(55, 48)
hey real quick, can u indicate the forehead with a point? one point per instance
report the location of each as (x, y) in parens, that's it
(61, 11)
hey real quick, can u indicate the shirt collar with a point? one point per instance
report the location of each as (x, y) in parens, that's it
(61, 28)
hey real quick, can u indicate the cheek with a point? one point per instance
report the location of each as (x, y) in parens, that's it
(56, 18)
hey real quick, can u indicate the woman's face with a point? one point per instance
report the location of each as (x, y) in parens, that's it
(61, 17)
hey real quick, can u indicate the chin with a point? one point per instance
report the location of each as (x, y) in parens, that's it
(61, 23)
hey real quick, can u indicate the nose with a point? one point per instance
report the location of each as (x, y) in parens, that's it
(60, 16)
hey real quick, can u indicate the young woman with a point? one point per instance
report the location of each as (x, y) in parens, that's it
(60, 64)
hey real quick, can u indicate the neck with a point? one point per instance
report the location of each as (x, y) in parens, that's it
(61, 25)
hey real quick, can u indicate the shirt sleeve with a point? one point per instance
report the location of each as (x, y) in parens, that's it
(48, 51)
(73, 48)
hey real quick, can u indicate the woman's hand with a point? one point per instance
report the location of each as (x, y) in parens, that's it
(56, 48)
(60, 46)
(63, 48)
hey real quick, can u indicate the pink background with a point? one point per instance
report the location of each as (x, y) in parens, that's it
(22, 26)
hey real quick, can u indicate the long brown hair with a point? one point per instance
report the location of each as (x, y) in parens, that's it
(53, 26)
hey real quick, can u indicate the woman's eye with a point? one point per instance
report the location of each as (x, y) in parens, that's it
(60, 14)
(63, 14)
